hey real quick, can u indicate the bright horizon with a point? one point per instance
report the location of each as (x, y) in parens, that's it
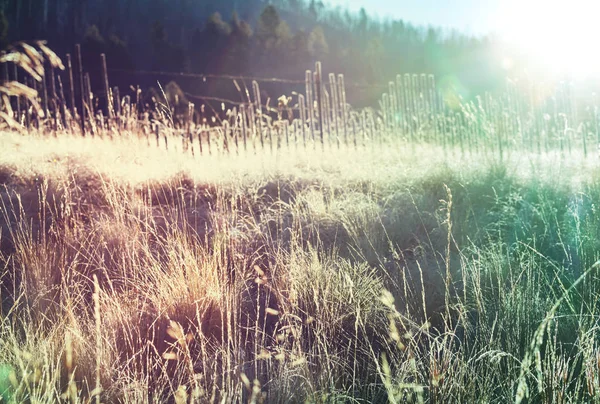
(560, 36)
(469, 16)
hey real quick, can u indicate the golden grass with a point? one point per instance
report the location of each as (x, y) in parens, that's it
(133, 274)
(130, 160)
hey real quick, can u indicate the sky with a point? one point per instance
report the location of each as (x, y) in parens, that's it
(558, 35)
(470, 16)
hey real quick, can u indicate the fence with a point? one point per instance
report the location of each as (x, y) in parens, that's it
(413, 108)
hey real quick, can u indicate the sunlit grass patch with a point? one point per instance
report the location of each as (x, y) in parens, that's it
(145, 275)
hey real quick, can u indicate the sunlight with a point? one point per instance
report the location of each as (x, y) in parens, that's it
(557, 36)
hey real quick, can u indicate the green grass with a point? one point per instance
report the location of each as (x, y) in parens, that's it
(397, 273)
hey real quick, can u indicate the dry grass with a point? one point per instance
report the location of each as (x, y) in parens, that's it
(132, 274)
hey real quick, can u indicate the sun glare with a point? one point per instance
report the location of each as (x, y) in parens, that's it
(557, 36)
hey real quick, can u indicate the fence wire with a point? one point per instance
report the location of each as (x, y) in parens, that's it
(205, 76)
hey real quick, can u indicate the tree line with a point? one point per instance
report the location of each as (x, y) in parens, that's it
(279, 38)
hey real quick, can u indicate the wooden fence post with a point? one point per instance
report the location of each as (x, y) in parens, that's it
(82, 103)
(319, 86)
(343, 106)
(117, 106)
(286, 128)
(326, 116)
(270, 133)
(244, 126)
(200, 133)
(234, 131)
(302, 107)
(191, 107)
(157, 134)
(71, 84)
(53, 100)
(107, 95)
(333, 91)
(310, 104)
(18, 104)
(353, 120)
(208, 141)
(27, 108)
(89, 101)
(44, 97)
(258, 101)
(5, 78)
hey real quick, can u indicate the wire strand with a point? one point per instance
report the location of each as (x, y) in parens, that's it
(207, 76)
(241, 78)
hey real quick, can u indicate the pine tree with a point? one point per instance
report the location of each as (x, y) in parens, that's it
(268, 24)
(167, 56)
(3, 30)
(273, 34)
(239, 45)
(317, 44)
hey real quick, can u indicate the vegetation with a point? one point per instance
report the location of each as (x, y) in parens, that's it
(249, 38)
(437, 249)
(133, 274)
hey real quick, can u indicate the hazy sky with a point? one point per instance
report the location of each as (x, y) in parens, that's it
(473, 16)
(559, 34)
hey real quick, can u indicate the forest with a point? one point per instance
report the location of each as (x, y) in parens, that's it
(280, 38)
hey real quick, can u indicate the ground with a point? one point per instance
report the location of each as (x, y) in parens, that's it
(392, 273)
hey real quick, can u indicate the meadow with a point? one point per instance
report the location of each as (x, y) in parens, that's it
(395, 273)
(433, 250)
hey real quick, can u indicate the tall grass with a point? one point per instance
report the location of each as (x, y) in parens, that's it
(350, 276)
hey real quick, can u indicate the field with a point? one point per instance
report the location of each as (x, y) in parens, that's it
(433, 250)
(399, 272)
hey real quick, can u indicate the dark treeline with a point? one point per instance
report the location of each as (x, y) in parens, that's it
(279, 38)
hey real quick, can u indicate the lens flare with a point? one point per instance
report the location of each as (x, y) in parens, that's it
(556, 36)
